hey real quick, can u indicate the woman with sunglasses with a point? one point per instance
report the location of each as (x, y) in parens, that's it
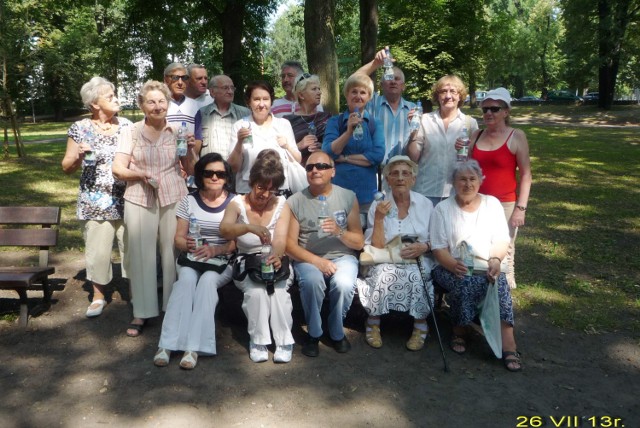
(501, 151)
(189, 323)
(308, 122)
(433, 146)
(260, 131)
(146, 159)
(254, 219)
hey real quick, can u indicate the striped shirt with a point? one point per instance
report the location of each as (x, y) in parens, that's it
(396, 125)
(159, 159)
(183, 111)
(208, 218)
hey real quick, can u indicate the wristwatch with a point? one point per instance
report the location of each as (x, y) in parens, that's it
(521, 207)
(341, 232)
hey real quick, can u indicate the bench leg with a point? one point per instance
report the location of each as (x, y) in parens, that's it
(24, 308)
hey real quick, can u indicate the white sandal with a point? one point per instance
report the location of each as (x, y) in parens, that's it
(189, 360)
(162, 358)
(97, 310)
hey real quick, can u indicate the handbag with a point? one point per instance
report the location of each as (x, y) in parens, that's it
(251, 264)
(490, 318)
(295, 173)
(389, 254)
(216, 264)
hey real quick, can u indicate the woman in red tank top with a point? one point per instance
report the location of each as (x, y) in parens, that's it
(501, 150)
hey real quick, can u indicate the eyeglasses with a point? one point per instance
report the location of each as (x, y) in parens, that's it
(493, 109)
(320, 166)
(209, 173)
(274, 192)
(404, 174)
(175, 77)
(226, 88)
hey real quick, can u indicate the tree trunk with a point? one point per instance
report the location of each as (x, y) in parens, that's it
(232, 20)
(319, 23)
(368, 31)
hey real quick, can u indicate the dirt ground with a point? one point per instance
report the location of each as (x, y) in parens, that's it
(67, 370)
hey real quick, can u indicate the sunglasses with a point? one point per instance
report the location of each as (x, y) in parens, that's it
(320, 166)
(175, 77)
(209, 173)
(494, 109)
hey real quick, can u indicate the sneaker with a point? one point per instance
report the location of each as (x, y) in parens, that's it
(283, 354)
(258, 353)
(311, 348)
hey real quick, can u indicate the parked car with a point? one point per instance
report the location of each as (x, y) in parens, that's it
(529, 98)
(480, 95)
(592, 96)
(563, 96)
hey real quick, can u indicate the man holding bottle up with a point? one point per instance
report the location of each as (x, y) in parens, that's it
(324, 254)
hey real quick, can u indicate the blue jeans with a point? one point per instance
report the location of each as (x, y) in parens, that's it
(313, 285)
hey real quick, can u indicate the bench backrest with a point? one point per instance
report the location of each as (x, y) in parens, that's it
(44, 237)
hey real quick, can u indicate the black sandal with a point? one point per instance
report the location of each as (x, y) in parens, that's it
(138, 329)
(516, 359)
(458, 341)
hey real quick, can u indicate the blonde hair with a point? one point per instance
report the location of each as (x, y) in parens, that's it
(358, 80)
(153, 85)
(453, 80)
(302, 81)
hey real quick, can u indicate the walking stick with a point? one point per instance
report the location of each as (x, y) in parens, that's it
(411, 239)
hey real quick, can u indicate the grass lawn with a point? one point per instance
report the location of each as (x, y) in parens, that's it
(577, 262)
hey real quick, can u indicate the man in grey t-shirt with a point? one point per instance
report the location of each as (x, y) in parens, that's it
(327, 261)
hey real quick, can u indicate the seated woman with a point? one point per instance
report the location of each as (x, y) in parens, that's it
(479, 221)
(189, 323)
(398, 287)
(253, 220)
(308, 123)
(357, 155)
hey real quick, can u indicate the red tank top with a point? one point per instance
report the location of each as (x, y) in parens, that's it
(499, 169)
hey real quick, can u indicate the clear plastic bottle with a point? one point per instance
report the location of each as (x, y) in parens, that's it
(323, 214)
(379, 197)
(181, 142)
(312, 129)
(388, 65)
(89, 157)
(417, 116)
(467, 258)
(194, 230)
(248, 140)
(266, 269)
(358, 131)
(463, 153)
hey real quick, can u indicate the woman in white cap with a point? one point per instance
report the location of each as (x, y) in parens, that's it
(501, 151)
(398, 287)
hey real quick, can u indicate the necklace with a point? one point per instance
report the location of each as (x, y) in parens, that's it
(103, 126)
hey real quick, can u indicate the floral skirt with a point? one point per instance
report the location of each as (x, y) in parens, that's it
(394, 287)
(464, 295)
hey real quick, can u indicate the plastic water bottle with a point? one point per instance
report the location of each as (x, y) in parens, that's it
(388, 66)
(467, 258)
(463, 153)
(181, 142)
(248, 140)
(417, 115)
(312, 129)
(266, 269)
(358, 132)
(379, 197)
(323, 214)
(89, 157)
(194, 230)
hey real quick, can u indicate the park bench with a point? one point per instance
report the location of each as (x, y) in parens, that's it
(22, 278)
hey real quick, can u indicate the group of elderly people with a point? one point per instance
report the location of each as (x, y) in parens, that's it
(132, 188)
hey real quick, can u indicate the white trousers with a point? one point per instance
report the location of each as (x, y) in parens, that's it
(263, 309)
(145, 229)
(189, 323)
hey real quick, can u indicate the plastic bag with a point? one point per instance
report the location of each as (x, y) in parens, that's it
(490, 319)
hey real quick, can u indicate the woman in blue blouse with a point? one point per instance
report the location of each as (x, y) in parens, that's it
(357, 158)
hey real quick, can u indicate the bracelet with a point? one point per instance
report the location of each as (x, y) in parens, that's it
(497, 258)
(521, 207)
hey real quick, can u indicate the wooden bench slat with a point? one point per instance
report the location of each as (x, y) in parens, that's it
(13, 277)
(28, 237)
(30, 215)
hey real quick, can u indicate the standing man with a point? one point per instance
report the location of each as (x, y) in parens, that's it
(281, 107)
(181, 108)
(390, 107)
(197, 88)
(324, 254)
(215, 121)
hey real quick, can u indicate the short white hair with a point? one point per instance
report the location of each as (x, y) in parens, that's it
(91, 91)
